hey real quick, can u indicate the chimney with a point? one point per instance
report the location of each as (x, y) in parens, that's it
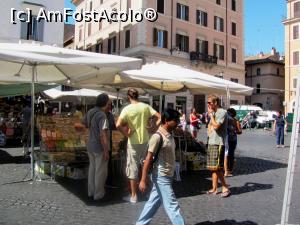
(261, 54)
(273, 51)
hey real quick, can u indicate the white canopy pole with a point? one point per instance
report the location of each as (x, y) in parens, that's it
(161, 96)
(32, 121)
(292, 159)
(227, 97)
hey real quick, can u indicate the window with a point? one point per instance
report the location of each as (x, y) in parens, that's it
(278, 71)
(257, 88)
(202, 46)
(182, 12)
(201, 18)
(160, 6)
(127, 38)
(89, 29)
(100, 25)
(296, 58)
(295, 32)
(101, 2)
(294, 83)
(233, 5)
(182, 42)
(160, 38)
(218, 2)
(32, 30)
(258, 71)
(235, 80)
(296, 9)
(112, 45)
(234, 102)
(219, 24)
(99, 47)
(114, 16)
(233, 29)
(219, 51)
(91, 6)
(233, 55)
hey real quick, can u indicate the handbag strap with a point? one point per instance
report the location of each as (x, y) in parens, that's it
(159, 147)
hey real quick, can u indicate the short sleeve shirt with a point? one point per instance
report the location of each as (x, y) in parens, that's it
(218, 137)
(137, 116)
(165, 164)
(96, 121)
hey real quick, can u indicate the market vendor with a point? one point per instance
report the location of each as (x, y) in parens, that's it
(98, 146)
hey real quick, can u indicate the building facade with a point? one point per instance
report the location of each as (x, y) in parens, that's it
(202, 35)
(46, 32)
(265, 73)
(292, 51)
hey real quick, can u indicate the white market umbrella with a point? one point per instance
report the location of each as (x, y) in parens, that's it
(34, 63)
(172, 78)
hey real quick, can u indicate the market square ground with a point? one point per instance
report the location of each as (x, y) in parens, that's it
(257, 189)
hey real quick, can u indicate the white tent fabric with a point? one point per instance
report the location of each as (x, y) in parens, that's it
(176, 78)
(57, 64)
(81, 95)
(34, 63)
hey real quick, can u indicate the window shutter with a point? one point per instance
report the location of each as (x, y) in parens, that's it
(178, 42)
(205, 18)
(115, 44)
(165, 39)
(215, 22)
(221, 24)
(24, 27)
(40, 30)
(197, 17)
(222, 52)
(178, 10)
(215, 50)
(127, 39)
(155, 37)
(205, 47)
(109, 46)
(197, 45)
(187, 47)
(187, 13)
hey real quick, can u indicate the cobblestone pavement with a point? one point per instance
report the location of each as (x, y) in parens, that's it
(257, 193)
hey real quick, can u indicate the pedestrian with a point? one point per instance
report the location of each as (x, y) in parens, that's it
(162, 172)
(278, 127)
(78, 112)
(194, 123)
(182, 120)
(132, 123)
(26, 127)
(217, 131)
(97, 146)
(233, 129)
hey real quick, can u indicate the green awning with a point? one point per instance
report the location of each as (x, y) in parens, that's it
(7, 90)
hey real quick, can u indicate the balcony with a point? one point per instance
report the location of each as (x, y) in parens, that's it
(198, 56)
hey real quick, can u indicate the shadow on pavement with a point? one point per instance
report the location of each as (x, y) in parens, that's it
(227, 222)
(249, 187)
(248, 165)
(6, 158)
(79, 189)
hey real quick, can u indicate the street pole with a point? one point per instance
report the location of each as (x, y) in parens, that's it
(292, 159)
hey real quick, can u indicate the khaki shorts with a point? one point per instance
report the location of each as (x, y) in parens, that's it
(134, 155)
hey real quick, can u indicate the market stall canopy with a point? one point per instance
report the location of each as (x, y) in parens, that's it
(87, 96)
(54, 64)
(7, 90)
(178, 78)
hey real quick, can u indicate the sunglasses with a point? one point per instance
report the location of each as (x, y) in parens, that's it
(209, 103)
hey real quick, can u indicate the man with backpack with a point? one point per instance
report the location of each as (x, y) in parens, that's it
(161, 150)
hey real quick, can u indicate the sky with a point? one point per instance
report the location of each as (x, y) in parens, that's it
(263, 28)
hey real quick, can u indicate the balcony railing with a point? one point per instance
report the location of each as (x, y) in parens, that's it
(198, 56)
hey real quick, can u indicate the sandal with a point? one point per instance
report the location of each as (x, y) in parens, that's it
(225, 194)
(211, 192)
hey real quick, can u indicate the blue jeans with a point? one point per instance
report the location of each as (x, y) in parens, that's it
(280, 135)
(162, 192)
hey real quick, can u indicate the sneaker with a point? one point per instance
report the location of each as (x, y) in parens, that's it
(130, 199)
(282, 146)
(277, 146)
